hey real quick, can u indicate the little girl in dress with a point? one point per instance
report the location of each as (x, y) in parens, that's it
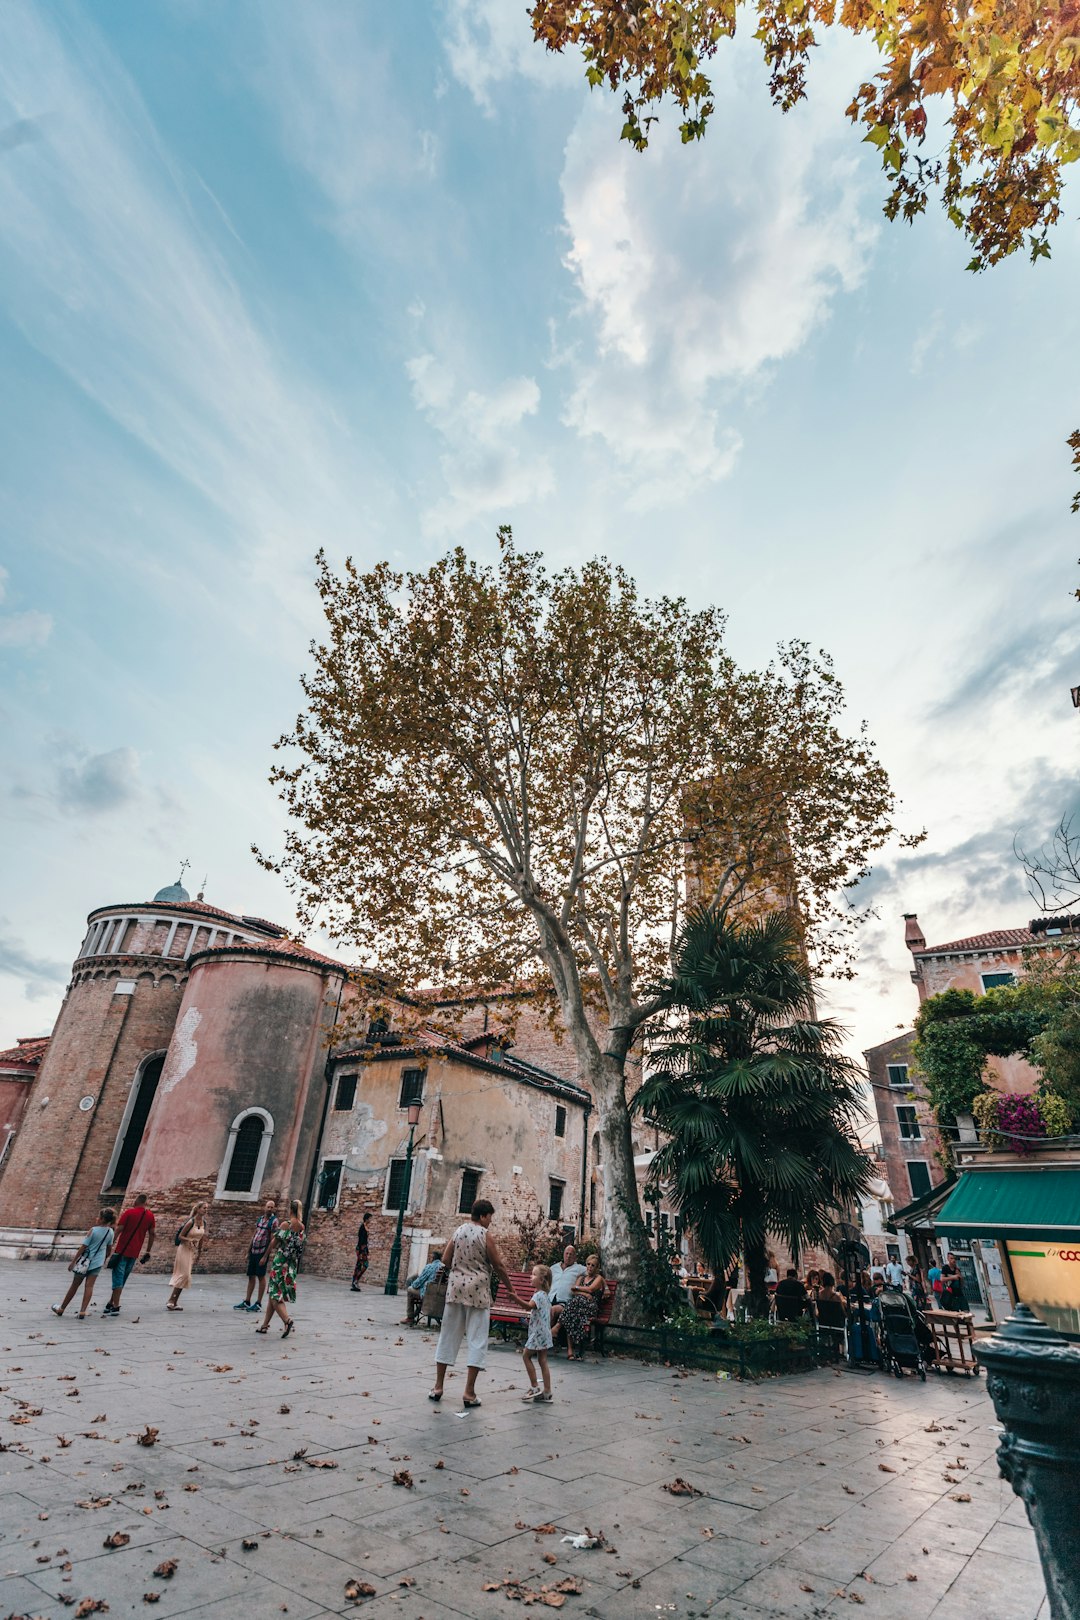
(539, 1339)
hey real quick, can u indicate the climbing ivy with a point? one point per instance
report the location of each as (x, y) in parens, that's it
(957, 1031)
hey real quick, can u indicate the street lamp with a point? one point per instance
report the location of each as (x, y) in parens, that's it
(395, 1249)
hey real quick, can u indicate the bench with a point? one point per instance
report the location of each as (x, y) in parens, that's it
(507, 1315)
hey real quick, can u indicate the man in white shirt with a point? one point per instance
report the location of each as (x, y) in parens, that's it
(563, 1279)
(894, 1274)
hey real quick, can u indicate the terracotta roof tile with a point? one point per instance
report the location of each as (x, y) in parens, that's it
(273, 947)
(27, 1054)
(997, 939)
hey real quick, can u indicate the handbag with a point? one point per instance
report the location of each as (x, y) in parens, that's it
(81, 1266)
(180, 1232)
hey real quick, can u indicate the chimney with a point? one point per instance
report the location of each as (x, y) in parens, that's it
(914, 938)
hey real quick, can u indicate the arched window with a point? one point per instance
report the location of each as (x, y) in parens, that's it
(133, 1125)
(241, 1173)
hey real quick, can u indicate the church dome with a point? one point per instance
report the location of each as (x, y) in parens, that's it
(173, 894)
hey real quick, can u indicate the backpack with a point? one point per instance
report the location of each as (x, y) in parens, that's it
(180, 1231)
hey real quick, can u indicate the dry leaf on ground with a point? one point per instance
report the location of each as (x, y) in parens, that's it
(148, 1437)
(119, 1538)
(403, 1477)
(682, 1487)
(166, 1569)
(355, 1590)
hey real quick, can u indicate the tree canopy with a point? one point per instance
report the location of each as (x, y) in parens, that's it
(505, 776)
(1004, 80)
(757, 1103)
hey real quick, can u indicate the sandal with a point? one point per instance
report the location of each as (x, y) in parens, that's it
(56, 1310)
(467, 1404)
(435, 1395)
(290, 1324)
(174, 1307)
(262, 1330)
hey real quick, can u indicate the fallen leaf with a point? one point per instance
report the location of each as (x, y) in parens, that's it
(63, 1442)
(166, 1569)
(94, 1502)
(464, 1491)
(117, 1539)
(960, 1496)
(545, 1529)
(407, 1580)
(550, 1558)
(884, 1468)
(148, 1437)
(250, 1544)
(298, 1456)
(439, 1464)
(224, 1367)
(283, 1409)
(910, 1577)
(804, 1588)
(403, 1477)
(151, 1597)
(91, 1606)
(682, 1487)
(355, 1590)
(320, 1462)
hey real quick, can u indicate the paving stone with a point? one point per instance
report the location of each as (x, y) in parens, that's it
(353, 1388)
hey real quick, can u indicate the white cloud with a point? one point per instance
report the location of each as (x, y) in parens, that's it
(111, 271)
(486, 466)
(345, 114)
(488, 42)
(698, 273)
(96, 783)
(28, 629)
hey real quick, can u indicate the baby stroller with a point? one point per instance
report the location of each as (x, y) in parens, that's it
(900, 1345)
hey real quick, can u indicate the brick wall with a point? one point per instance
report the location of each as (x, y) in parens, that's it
(60, 1157)
(897, 1151)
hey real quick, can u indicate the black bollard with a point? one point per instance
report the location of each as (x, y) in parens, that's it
(1034, 1381)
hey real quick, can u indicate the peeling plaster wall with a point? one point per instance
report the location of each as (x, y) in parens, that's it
(471, 1119)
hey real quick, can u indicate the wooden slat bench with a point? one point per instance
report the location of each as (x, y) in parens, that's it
(506, 1315)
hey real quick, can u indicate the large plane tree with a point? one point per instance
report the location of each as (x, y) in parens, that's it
(506, 776)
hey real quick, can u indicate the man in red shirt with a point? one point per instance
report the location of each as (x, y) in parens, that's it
(135, 1224)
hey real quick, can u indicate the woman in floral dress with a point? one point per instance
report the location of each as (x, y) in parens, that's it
(284, 1264)
(582, 1308)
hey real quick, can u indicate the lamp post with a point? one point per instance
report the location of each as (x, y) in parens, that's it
(395, 1249)
(1034, 1382)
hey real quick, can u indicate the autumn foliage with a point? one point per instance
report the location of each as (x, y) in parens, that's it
(977, 102)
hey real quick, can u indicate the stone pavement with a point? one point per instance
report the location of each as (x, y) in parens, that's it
(271, 1483)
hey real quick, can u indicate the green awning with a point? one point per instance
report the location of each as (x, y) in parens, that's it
(1027, 1203)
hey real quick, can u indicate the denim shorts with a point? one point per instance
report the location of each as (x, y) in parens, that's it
(122, 1268)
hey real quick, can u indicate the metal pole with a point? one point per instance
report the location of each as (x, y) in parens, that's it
(395, 1250)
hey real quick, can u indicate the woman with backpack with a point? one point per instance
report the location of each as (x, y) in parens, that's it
(88, 1263)
(189, 1240)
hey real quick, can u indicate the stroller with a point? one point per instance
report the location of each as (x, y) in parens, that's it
(900, 1342)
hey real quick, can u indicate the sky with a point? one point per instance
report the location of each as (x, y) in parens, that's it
(275, 277)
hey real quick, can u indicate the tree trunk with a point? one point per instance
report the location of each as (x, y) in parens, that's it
(622, 1234)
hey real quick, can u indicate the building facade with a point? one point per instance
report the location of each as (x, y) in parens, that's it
(198, 1057)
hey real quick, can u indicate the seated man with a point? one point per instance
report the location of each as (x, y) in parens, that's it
(416, 1287)
(791, 1298)
(563, 1278)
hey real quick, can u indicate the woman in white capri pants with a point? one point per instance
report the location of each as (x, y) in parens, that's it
(470, 1257)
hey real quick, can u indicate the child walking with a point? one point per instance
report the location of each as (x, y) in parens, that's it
(538, 1342)
(88, 1262)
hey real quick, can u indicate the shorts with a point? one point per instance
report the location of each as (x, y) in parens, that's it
(122, 1267)
(257, 1264)
(469, 1322)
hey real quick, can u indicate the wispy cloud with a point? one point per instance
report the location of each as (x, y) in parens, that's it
(29, 628)
(487, 465)
(40, 977)
(110, 271)
(488, 42)
(697, 276)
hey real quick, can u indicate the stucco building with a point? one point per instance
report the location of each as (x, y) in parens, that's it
(197, 1056)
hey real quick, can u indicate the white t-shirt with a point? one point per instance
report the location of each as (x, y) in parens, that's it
(563, 1279)
(894, 1272)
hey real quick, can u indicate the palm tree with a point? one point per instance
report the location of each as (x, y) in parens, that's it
(751, 1091)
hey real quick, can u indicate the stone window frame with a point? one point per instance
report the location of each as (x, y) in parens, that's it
(901, 1083)
(343, 1080)
(908, 1163)
(560, 1120)
(560, 1183)
(908, 1123)
(387, 1207)
(251, 1197)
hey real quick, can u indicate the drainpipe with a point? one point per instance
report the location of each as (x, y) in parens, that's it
(584, 1164)
(1034, 1382)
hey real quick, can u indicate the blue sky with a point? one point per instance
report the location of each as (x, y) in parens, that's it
(276, 276)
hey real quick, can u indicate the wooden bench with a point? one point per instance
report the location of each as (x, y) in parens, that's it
(507, 1315)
